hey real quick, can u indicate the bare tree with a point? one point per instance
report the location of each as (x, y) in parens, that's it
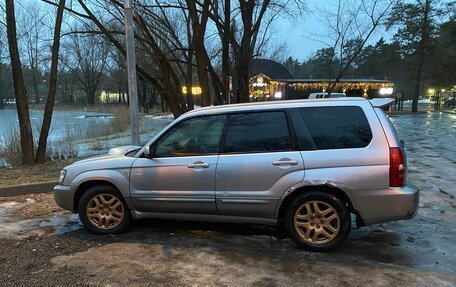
(33, 31)
(19, 87)
(171, 49)
(67, 86)
(350, 28)
(199, 25)
(189, 60)
(89, 61)
(248, 32)
(118, 75)
(49, 108)
(160, 74)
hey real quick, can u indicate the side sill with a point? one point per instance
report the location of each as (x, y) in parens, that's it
(204, 217)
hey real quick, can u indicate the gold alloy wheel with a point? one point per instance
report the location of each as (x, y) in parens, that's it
(105, 211)
(317, 222)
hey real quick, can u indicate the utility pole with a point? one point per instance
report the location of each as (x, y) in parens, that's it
(131, 68)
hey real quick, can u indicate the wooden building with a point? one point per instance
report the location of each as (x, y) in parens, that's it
(271, 81)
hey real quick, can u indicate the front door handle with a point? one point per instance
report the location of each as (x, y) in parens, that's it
(285, 161)
(198, 164)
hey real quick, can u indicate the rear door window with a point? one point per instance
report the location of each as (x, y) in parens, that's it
(337, 127)
(257, 132)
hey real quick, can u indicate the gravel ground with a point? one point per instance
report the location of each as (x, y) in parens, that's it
(43, 245)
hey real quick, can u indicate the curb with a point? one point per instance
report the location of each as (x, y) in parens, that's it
(22, 189)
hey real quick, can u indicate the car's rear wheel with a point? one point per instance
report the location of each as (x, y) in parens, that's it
(103, 210)
(317, 221)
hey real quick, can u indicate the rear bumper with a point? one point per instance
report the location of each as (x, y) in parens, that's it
(64, 196)
(393, 203)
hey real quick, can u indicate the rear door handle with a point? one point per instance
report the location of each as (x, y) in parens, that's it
(285, 161)
(198, 164)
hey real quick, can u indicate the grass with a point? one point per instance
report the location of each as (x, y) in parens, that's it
(33, 174)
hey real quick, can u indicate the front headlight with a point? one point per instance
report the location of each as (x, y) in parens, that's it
(62, 176)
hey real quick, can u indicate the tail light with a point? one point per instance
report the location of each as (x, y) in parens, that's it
(397, 167)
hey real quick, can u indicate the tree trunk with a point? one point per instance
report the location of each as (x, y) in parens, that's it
(201, 71)
(421, 55)
(243, 85)
(189, 76)
(42, 143)
(242, 73)
(2, 98)
(199, 29)
(2, 81)
(19, 88)
(417, 89)
(226, 49)
(189, 80)
(244, 50)
(35, 80)
(91, 92)
(144, 94)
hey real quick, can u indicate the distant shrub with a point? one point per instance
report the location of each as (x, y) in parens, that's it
(121, 121)
(63, 148)
(10, 147)
(100, 128)
(98, 144)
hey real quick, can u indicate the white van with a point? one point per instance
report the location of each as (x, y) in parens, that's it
(325, 95)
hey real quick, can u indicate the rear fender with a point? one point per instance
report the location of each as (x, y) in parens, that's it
(319, 184)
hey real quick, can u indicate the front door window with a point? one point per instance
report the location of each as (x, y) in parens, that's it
(193, 137)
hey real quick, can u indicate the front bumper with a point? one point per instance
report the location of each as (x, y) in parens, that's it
(381, 205)
(64, 196)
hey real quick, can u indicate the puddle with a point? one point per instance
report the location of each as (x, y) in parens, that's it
(14, 226)
(62, 223)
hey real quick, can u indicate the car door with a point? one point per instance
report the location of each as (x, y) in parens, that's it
(180, 177)
(258, 163)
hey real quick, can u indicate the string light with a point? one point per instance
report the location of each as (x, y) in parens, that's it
(261, 85)
(364, 86)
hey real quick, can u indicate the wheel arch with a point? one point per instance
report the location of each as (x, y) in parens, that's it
(332, 190)
(83, 187)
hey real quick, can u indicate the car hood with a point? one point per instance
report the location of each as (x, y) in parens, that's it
(114, 159)
(113, 153)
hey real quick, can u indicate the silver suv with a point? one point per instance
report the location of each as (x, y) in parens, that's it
(307, 165)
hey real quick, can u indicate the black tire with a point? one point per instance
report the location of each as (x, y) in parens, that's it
(106, 191)
(321, 199)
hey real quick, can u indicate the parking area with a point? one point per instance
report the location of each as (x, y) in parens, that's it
(42, 245)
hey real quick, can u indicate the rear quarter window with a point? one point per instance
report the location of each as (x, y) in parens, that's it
(337, 127)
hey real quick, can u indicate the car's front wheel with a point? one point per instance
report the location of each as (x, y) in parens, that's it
(317, 221)
(103, 210)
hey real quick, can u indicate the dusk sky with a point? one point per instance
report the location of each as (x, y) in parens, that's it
(305, 35)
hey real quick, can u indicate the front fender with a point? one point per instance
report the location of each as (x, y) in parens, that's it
(118, 177)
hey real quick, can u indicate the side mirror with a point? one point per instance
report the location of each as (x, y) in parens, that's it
(148, 152)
